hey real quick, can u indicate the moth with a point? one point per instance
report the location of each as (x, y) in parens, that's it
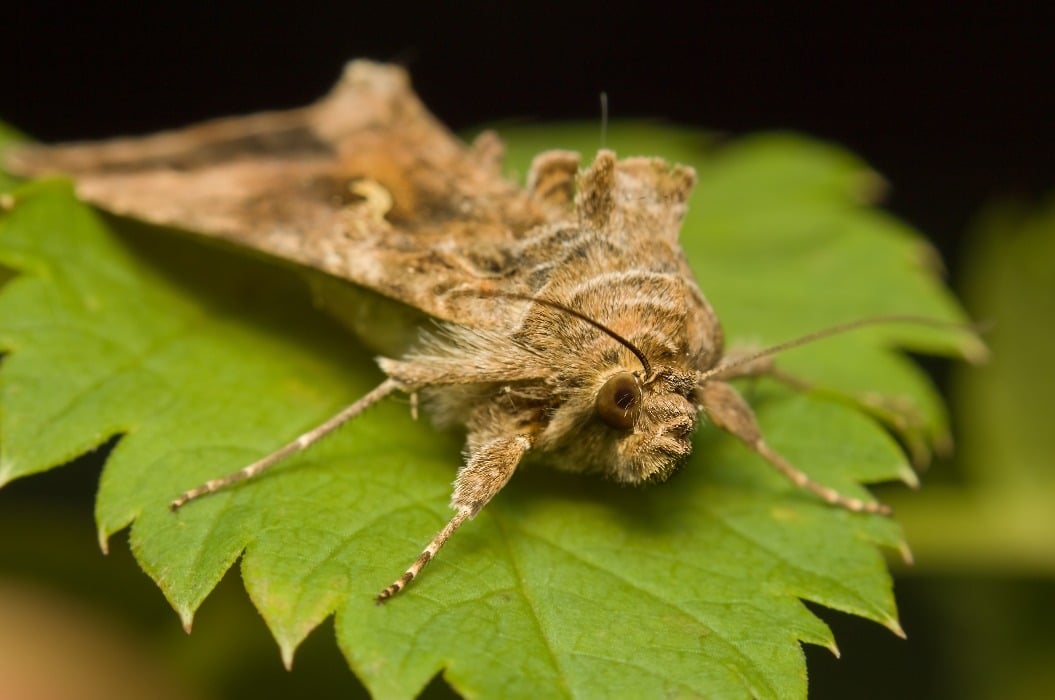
(564, 319)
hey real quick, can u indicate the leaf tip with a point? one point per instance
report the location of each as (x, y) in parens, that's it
(869, 187)
(907, 475)
(288, 650)
(894, 626)
(906, 553)
(7, 470)
(187, 618)
(975, 350)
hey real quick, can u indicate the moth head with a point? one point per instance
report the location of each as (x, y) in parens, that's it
(627, 427)
(644, 424)
(627, 413)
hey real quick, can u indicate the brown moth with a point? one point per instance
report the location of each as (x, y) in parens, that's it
(570, 323)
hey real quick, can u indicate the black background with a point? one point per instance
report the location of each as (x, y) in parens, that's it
(954, 107)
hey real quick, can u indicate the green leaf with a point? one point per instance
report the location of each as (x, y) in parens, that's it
(8, 137)
(1000, 517)
(1008, 280)
(204, 359)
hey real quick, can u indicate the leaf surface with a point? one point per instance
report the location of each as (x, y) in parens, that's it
(203, 359)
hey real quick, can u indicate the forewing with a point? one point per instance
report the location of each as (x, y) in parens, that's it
(290, 184)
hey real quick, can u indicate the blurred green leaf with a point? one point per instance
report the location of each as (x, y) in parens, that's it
(8, 137)
(986, 541)
(1009, 282)
(1001, 519)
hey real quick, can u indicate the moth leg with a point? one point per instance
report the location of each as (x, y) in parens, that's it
(303, 442)
(898, 413)
(487, 470)
(728, 410)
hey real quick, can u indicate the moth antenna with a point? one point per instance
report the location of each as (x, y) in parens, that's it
(301, 443)
(604, 119)
(827, 333)
(645, 364)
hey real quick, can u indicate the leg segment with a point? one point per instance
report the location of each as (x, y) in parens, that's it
(484, 474)
(303, 442)
(728, 410)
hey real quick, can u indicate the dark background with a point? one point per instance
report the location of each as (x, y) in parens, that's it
(955, 108)
(952, 107)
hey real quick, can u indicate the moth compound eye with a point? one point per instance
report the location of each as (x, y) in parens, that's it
(618, 399)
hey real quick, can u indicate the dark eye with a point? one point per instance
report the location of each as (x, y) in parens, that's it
(618, 399)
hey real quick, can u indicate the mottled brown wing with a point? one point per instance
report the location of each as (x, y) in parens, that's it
(365, 185)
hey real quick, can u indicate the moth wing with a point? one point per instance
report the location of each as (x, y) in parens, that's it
(365, 185)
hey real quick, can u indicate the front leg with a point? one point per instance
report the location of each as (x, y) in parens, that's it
(484, 474)
(898, 413)
(728, 410)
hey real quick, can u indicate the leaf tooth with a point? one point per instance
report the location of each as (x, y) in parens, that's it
(975, 350)
(288, 649)
(906, 553)
(186, 616)
(868, 187)
(7, 470)
(907, 475)
(892, 624)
